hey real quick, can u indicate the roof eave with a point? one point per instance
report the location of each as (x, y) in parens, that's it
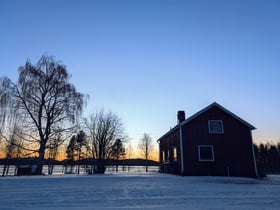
(169, 132)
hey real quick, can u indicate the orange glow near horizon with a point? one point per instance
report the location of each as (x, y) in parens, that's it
(132, 152)
(62, 156)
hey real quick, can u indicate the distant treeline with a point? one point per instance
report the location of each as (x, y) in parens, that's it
(268, 158)
(126, 162)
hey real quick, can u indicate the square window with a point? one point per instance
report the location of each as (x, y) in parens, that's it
(215, 126)
(206, 153)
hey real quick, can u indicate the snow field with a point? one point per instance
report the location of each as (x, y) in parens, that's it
(138, 191)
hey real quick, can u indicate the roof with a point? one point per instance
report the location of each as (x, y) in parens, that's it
(215, 104)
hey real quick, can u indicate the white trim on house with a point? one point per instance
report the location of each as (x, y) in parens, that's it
(254, 156)
(181, 151)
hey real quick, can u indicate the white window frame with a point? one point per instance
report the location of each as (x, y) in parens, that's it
(163, 156)
(212, 150)
(219, 121)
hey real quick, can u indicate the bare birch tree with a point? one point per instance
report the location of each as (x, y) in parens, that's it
(103, 129)
(145, 146)
(44, 100)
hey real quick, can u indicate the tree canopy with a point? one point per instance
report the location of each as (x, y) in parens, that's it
(43, 101)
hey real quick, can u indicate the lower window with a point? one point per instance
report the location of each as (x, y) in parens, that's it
(174, 153)
(206, 152)
(163, 156)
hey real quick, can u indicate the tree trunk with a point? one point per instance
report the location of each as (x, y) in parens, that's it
(7, 170)
(78, 168)
(50, 169)
(100, 166)
(40, 161)
(50, 166)
(146, 160)
(4, 170)
(79, 158)
(39, 169)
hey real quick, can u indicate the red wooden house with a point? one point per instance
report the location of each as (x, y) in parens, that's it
(213, 142)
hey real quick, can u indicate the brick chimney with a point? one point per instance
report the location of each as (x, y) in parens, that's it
(180, 116)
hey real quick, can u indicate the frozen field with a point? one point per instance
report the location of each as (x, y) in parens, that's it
(138, 191)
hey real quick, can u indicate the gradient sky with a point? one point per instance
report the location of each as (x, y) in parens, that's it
(147, 59)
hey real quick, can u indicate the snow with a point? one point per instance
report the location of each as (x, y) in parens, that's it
(138, 190)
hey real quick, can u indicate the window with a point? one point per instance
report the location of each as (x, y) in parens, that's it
(215, 126)
(206, 153)
(163, 156)
(174, 153)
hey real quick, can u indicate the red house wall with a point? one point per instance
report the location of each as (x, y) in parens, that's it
(233, 154)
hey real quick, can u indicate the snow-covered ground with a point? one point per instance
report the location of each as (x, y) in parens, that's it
(138, 191)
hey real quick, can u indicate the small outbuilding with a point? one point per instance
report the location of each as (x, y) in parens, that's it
(27, 169)
(214, 142)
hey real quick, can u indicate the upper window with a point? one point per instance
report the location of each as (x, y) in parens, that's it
(206, 153)
(215, 126)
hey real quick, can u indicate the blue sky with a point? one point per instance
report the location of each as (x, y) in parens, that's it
(147, 59)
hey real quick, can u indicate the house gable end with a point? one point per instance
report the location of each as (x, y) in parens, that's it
(251, 127)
